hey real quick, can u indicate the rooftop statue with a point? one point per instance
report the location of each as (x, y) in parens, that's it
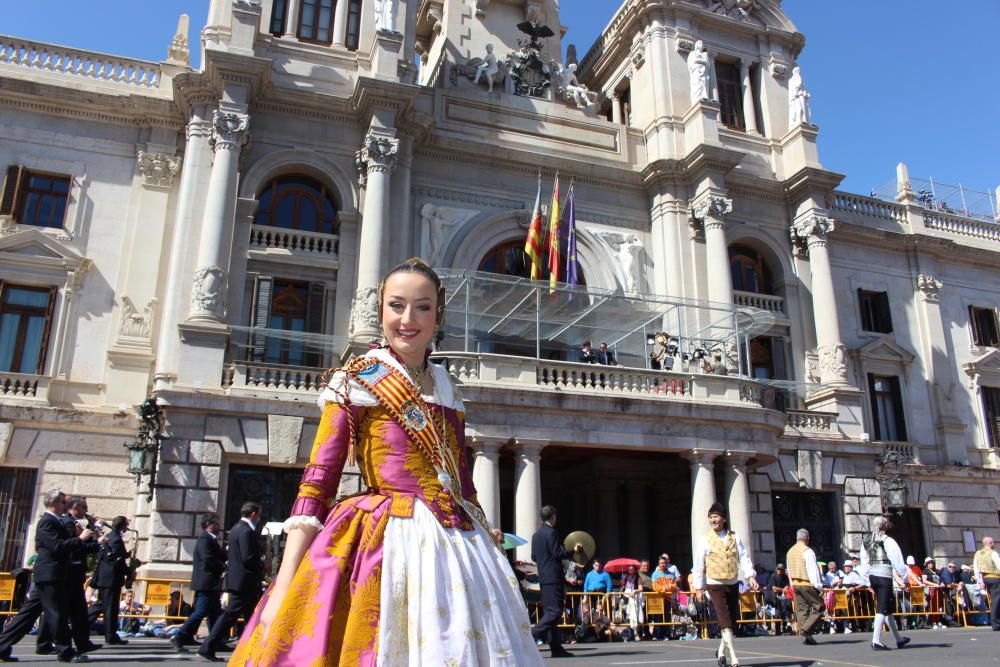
(798, 100)
(487, 68)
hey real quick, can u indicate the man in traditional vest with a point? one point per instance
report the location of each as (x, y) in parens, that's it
(720, 563)
(804, 573)
(986, 567)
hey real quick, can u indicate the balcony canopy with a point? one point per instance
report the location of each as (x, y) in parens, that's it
(489, 312)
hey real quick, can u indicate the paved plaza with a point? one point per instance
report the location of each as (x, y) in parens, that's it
(930, 648)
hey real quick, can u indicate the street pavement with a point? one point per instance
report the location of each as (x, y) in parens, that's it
(930, 648)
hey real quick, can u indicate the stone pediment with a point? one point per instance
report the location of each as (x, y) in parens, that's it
(760, 13)
(885, 348)
(985, 370)
(31, 247)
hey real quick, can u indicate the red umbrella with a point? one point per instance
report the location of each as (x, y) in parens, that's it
(620, 565)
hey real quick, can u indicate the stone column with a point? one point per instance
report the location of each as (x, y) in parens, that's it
(208, 293)
(749, 115)
(702, 492)
(340, 24)
(292, 10)
(738, 498)
(607, 513)
(376, 161)
(710, 210)
(527, 493)
(486, 477)
(812, 230)
(616, 109)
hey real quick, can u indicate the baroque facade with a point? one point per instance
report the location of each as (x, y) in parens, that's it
(213, 237)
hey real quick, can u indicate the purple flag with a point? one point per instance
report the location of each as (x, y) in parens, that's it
(569, 216)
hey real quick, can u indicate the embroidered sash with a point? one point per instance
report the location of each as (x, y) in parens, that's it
(402, 400)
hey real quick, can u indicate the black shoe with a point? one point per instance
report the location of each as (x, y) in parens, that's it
(44, 650)
(116, 641)
(209, 656)
(879, 647)
(88, 648)
(808, 639)
(178, 645)
(561, 653)
(903, 641)
(7, 657)
(722, 661)
(78, 657)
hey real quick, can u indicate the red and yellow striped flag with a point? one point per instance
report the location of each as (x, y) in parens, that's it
(533, 244)
(554, 253)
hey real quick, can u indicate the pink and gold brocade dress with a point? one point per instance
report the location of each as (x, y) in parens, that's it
(400, 575)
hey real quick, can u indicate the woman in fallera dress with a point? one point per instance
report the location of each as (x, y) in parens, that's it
(409, 572)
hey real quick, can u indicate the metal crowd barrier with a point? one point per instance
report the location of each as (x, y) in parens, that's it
(607, 614)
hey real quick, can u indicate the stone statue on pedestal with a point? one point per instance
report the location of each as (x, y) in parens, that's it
(385, 15)
(487, 68)
(798, 100)
(576, 91)
(698, 63)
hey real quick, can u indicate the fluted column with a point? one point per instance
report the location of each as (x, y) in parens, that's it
(710, 211)
(749, 115)
(738, 498)
(486, 477)
(527, 493)
(376, 161)
(616, 109)
(702, 492)
(208, 293)
(292, 10)
(812, 230)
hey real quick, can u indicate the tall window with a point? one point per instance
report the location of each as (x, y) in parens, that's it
(34, 198)
(991, 410)
(509, 259)
(984, 327)
(353, 37)
(316, 21)
(875, 311)
(279, 17)
(282, 311)
(727, 75)
(887, 408)
(25, 318)
(297, 202)
(17, 489)
(749, 271)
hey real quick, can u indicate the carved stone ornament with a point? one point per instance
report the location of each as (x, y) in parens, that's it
(135, 324)
(833, 363)
(812, 368)
(377, 154)
(779, 71)
(684, 45)
(711, 211)
(737, 9)
(158, 169)
(481, 6)
(247, 4)
(530, 74)
(929, 286)
(178, 49)
(364, 312)
(811, 229)
(229, 130)
(208, 294)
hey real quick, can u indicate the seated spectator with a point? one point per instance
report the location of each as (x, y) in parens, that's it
(177, 612)
(775, 594)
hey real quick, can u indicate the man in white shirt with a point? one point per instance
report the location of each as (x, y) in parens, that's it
(807, 584)
(721, 562)
(880, 558)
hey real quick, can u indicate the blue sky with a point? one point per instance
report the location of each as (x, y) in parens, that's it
(895, 81)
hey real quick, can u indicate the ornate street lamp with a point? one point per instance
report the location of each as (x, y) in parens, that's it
(144, 450)
(891, 481)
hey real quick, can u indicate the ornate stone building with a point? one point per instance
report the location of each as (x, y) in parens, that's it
(213, 237)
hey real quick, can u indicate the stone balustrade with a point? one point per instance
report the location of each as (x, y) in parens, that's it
(907, 451)
(294, 242)
(22, 385)
(867, 207)
(775, 304)
(83, 64)
(261, 380)
(814, 422)
(962, 226)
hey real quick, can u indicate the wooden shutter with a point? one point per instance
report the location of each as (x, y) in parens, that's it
(315, 320)
(873, 399)
(49, 311)
(12, 186)
(882, 312)
(897, 406)
(974, 326)
(263, 287)
(991, 411)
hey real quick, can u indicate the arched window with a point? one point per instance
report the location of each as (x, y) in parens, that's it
(509, 259)
(297, 202)
(749, 271)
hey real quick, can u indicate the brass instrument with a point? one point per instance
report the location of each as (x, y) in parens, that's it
(586, 540)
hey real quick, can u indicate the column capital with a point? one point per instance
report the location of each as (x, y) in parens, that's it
(738, 458)
(530, 448)
(710, 211)
(378, 154)
(488, 445)
(812, 230)
(229, 130)
(699, 457)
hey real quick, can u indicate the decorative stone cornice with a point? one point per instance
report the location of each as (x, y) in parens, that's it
(229, 130)
(929, 287)
(378, 154)
(157, 169)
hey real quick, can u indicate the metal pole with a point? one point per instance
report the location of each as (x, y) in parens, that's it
(467, 300)
(961, 193)
(538, 323)
(644, 346)
(739, 352)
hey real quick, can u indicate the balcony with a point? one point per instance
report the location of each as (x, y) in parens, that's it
(24, 386)
(294, 246)
(272, 381)
(768, 302)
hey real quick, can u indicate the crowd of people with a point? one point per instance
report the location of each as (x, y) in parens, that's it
(64, 605)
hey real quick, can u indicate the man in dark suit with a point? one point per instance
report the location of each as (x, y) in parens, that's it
(548, 553)
(206, 578)
(605, 356)
(109, 577)
(243, 578)
(56, 543)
